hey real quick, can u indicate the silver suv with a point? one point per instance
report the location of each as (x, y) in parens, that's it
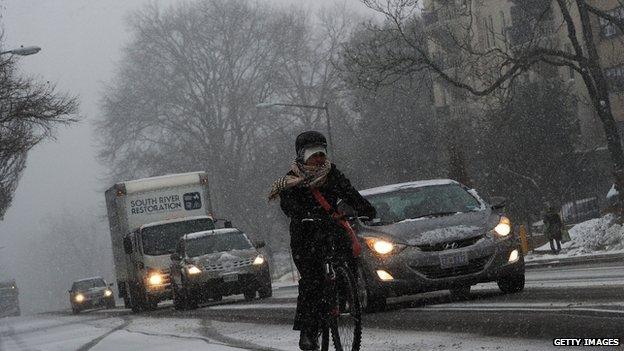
(216, 263)
(434, 235)
(90, 293)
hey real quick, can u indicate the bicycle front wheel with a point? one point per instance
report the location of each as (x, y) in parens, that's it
(346, 318)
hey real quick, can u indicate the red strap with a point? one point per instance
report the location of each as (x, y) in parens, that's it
(355, 243)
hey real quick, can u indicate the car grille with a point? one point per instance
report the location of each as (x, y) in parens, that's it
(228, 265)
(436, 272)
(449, 245)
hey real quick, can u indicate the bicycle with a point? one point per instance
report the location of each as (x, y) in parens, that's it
(342, 313)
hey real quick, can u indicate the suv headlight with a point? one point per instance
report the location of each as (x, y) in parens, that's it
(258, 261)
(192, 269)
(503, 228)
(107, 293)
(79, 297)
(383, 247)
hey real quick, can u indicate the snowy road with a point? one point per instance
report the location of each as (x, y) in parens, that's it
(574, 301)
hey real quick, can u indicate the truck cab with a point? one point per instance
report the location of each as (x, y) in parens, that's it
(149, 248)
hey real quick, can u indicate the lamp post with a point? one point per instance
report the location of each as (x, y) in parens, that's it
(323, 107)
(23, 51)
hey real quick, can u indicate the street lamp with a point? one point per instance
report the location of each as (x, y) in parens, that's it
(23, 51)
(316, 107)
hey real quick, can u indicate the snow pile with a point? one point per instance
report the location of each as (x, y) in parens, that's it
(595, 236)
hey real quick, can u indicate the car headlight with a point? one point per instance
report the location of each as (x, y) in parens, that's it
(79, 297)
(503, 228)
(383, 247)
(155, 279)
(258, 261)
(191, 269)
(107, 293)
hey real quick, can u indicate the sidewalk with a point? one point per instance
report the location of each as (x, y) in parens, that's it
(543, 258)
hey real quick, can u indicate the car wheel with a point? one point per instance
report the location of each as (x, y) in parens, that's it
(249, 295)
(512, 283)
(75, 310)
(460, 293)
(110, 305)
(369, 302)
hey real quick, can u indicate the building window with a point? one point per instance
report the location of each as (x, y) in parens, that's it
(615, 78)
(607, 28)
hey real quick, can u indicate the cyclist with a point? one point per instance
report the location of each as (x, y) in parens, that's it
(312, 169)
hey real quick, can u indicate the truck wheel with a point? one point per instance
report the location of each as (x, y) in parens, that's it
(150, 305)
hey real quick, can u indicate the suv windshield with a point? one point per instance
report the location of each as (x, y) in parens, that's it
(217, 243)
(421, 202)
(162, 239)
(88, 284)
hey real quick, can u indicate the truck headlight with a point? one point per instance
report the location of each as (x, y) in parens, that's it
(79, 297)
(107, 293)
(155, 279)
(383, 247)
(258, 261)
(503, 228)
(191, 269)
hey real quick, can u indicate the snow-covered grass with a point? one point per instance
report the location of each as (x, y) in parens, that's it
(593, 237)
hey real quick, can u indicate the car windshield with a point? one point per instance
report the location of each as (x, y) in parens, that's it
(162, 239)
(88, 284)
(424, 201)
(217, 243)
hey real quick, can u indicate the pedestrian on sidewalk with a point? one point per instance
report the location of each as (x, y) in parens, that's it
(553, 226)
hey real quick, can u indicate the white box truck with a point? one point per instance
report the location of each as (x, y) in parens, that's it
(147, 217)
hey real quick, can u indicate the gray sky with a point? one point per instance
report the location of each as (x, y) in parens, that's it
(81, 42)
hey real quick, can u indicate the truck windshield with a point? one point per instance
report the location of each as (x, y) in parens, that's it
(217, 243)
(162, 239)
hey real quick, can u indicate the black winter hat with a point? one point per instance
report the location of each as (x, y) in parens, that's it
(309, 138)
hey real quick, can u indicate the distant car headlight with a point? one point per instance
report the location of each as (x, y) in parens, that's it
(383, 247)
(79, 297)
(191, 269)
(503, 228)
(107, 293)
(258, 261)
(155, 278)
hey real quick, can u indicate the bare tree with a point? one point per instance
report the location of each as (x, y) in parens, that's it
(29, 113)
(475, 58)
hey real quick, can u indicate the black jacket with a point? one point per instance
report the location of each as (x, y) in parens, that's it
(298, 203)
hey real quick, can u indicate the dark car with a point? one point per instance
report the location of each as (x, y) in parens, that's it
(9, 299)
(435, 235)
(91, 293)
(216, 263)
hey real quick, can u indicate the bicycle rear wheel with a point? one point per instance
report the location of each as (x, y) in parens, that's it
(345, 322)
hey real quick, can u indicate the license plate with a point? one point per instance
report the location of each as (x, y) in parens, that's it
(454, 259)
(230, 278)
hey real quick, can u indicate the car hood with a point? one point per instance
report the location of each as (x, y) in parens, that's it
(429, 231)
(226, 258)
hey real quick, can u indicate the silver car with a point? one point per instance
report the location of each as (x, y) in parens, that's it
(90, 293)
(215, 263)
(435, 235)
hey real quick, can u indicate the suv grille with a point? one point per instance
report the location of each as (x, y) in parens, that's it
(437, 272)
(451, 244)
(228, 265)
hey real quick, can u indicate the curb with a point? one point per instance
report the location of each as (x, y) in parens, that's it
(571, 261)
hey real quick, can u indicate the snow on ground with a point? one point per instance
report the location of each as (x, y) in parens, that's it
(281, 337)
(594, 237)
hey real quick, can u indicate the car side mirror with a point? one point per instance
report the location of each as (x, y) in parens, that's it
(498, 202)
(227, 224)
(127, 245)
(175, 257)
(259, 244)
